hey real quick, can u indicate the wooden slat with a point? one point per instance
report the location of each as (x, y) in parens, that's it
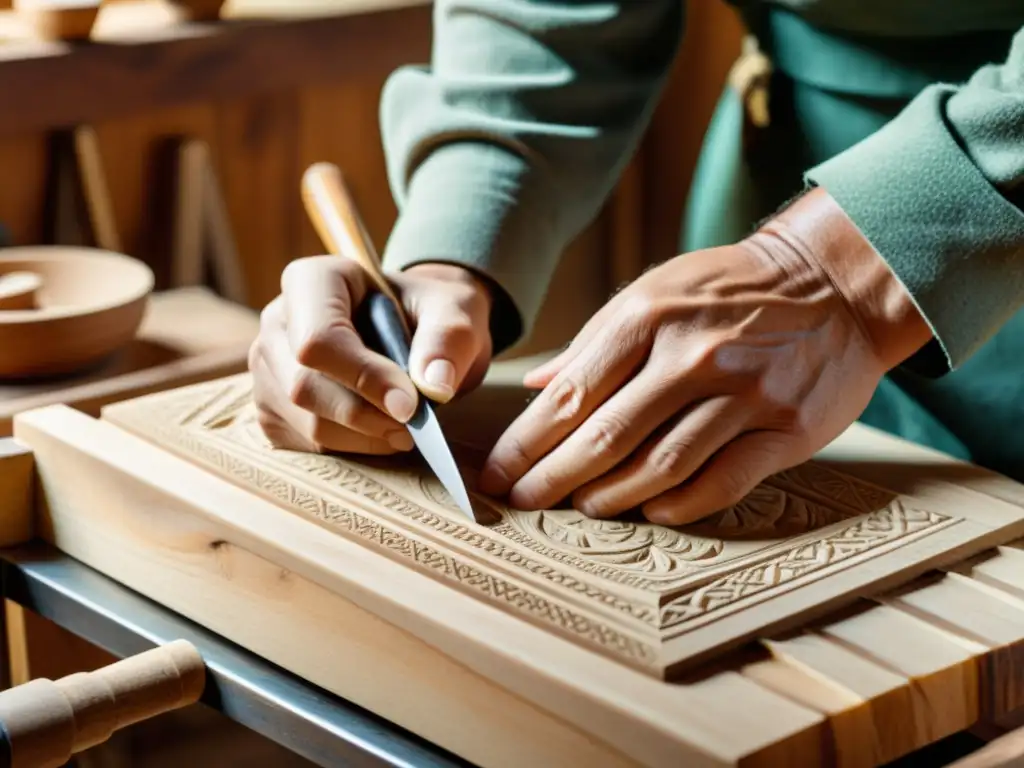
(866, 701)
(180, 63)
(888, 683)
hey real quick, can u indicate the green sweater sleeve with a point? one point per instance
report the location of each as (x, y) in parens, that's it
(504, 148)
(939, 192)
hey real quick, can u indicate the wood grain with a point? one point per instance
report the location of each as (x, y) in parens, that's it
(170, 65)
(360, 630)
(656, 598)
(861, 686)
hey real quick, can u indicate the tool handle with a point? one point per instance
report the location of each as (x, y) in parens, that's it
(333, 212)
(390, 329)
(46, 722)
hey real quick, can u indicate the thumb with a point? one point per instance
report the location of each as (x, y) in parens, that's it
(447, 343)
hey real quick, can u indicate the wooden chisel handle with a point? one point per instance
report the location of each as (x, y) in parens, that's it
(46, 722)
(332, 210)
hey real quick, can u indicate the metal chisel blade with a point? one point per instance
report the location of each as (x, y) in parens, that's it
(430, 440)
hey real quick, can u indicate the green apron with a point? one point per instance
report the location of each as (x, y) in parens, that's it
(827, 93)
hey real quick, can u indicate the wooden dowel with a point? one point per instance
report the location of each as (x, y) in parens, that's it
(45, 722)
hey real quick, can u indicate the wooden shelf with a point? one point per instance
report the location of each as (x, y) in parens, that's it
(142, 57)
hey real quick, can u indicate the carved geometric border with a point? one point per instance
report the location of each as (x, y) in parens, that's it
(682, 614)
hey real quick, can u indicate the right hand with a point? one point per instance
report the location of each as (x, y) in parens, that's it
(319, 388)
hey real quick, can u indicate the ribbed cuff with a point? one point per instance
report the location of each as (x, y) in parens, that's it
(465, 205)
(944, 230)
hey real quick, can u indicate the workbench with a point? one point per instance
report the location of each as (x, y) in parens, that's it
(297, 715)
(300, 717)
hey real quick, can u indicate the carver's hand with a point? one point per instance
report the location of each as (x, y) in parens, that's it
(711, 372)
(319, 388)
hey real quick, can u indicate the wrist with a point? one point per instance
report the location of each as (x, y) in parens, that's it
(818, 227)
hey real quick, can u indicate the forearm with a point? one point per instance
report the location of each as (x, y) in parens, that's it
(937, 194)
(506, 147)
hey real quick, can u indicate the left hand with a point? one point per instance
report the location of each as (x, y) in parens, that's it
(710, 373)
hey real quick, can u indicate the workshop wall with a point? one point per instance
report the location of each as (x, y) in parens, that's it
(261, 145)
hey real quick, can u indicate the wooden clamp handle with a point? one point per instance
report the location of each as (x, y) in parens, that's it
(334, 215)
(46, 722)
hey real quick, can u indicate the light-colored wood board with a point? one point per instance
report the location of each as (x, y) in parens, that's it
(17, 498)
(1002, 567)
(871, 734)
(981, 615)
(907, 467)
(187, 336)
(941, 669)
(656, 598)
(122, 505)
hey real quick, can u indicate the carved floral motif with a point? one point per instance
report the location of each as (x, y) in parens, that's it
(583, 563)
(648, 549)
(769, 512)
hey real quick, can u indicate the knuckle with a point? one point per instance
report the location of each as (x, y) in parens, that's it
(303, 391)
(668, 461)
(365, 377)
(316, 347)
(461, 330)
(515, 453)
(322, 431)
(567, 397)
(353, 413)
(607, 433)
(640, 309)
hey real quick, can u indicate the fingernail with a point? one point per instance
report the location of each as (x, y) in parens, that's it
(400, 440)
(440, 374)
(399, 405)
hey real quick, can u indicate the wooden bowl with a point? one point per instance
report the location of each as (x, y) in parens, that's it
(199, 10)
(59, 19)
(90, 304)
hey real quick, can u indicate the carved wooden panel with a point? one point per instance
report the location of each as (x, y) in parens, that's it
(650, 596)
